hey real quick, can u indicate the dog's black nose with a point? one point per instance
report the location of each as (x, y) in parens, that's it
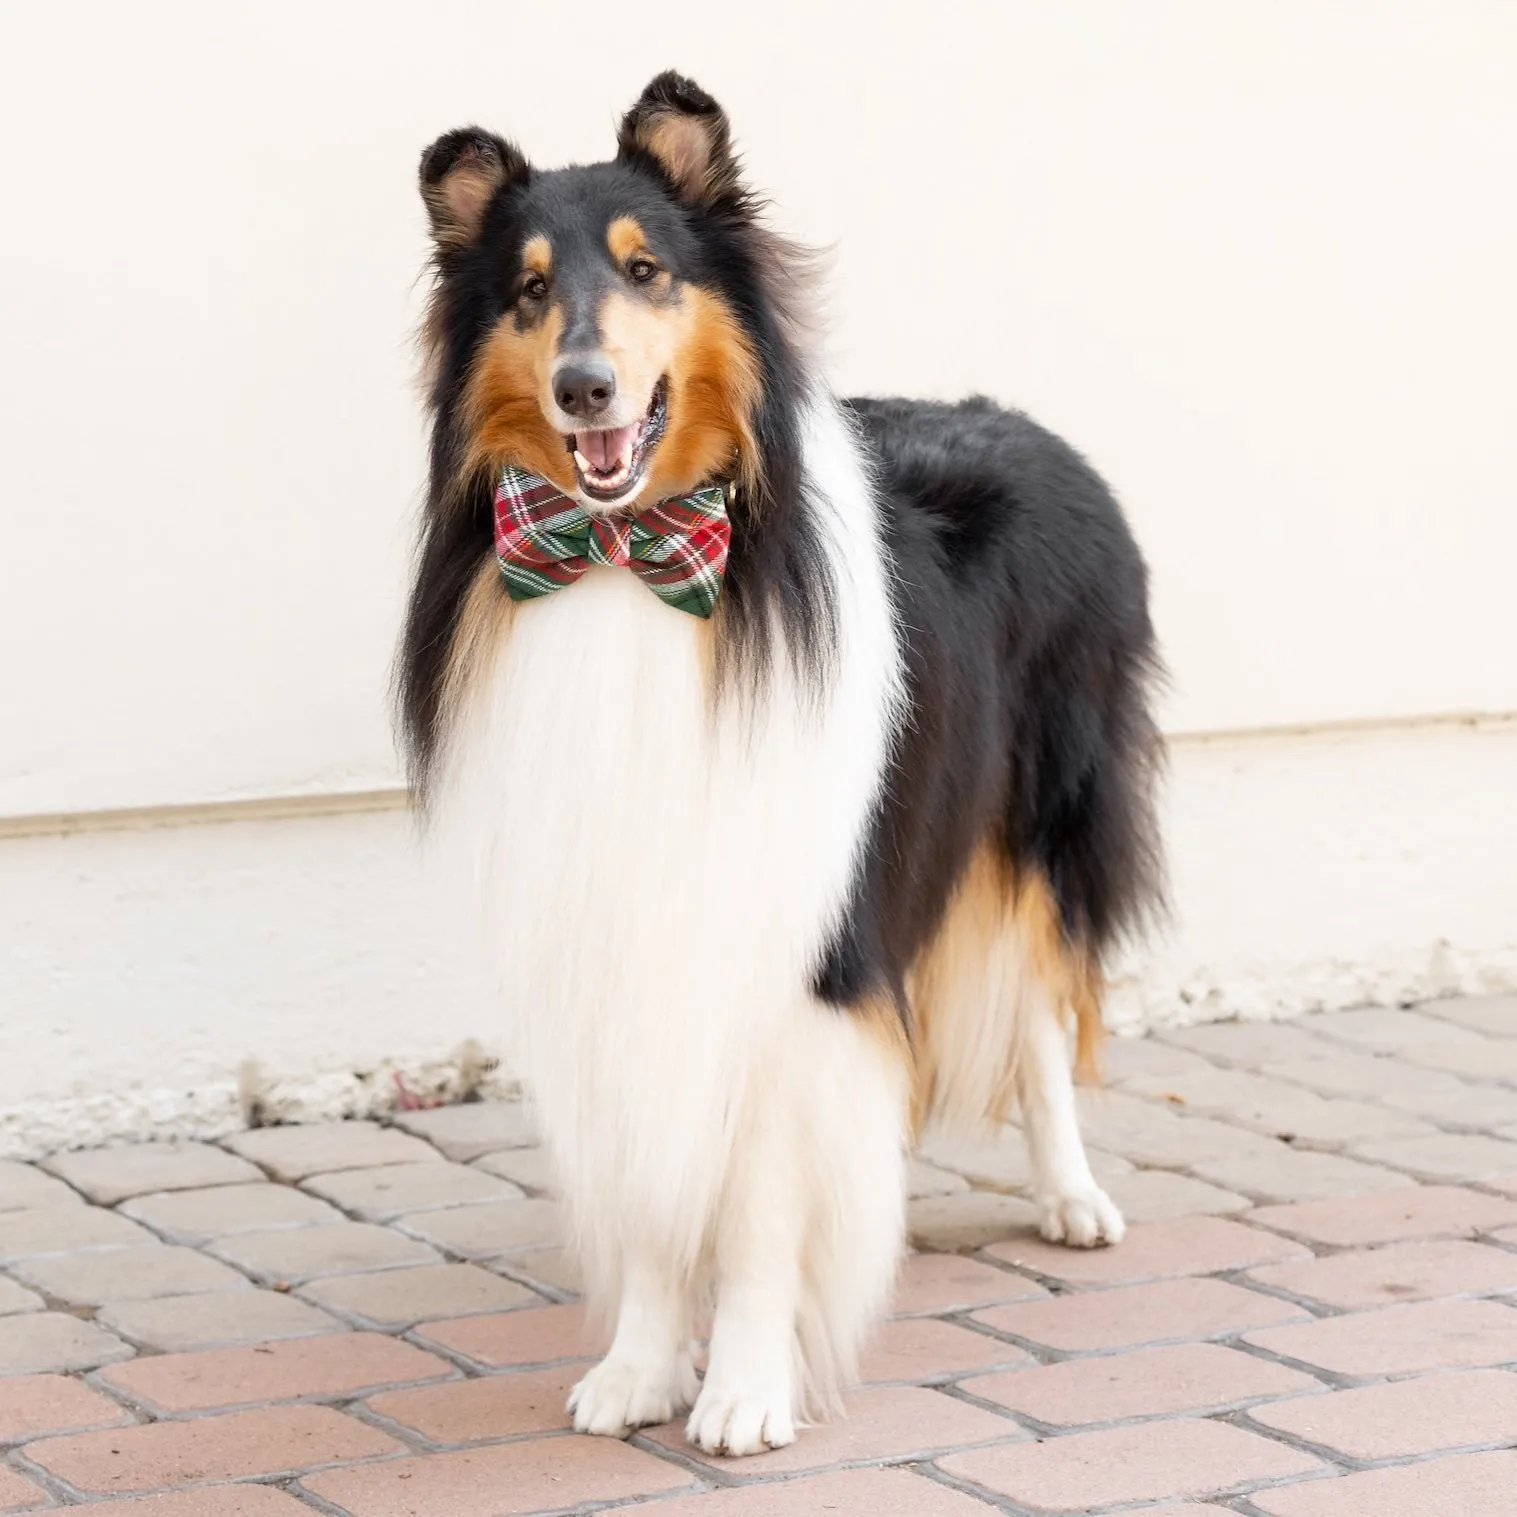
(584, 389)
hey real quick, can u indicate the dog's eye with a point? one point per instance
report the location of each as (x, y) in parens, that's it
(534, 287)
(642, 269)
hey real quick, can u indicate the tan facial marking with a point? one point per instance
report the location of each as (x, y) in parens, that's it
(508, 387)
(625, 239)
(537, 256)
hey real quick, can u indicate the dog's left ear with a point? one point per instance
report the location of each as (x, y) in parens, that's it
(684, 131)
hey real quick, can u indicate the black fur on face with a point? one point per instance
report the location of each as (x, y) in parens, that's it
(537, 269)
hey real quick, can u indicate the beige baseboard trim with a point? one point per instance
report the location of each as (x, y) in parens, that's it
(397, 798)
(1466, 721)
(264, 808)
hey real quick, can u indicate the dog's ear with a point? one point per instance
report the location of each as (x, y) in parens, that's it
(684, 131)
(460, 174)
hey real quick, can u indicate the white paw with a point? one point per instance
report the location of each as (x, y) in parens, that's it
(738, 1422)
(616, 1397)
(1082, 1219)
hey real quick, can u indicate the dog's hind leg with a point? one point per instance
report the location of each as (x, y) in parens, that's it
(649, 1374)
(1072, 1208)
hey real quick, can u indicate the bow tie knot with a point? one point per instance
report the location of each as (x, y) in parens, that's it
(545, 541)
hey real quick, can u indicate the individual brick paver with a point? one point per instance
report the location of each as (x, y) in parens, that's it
(1153, 1251)
(1472, 1409)
(295, 1255)
(897, 1423)
(1417, 1271)
(109, 1175)
(1251, 1045)
(24, 1187)
(921, 1350)
(207, 1501)
(174, 1323)
(1153, 1134)
(39, 1342)
(465, 1132)
(29, 1232)
(967, 1221)
(31, 1405)
(96, 1276)
(509, 1340)
(530, 1168)
(871, 1493)
(1001, 1161)
(196, 1216)
(939, 1283)
(483, 1411)
(1445, 1156)
(300, 1369)
(376, 1195)
(494, 1227)
(1153, 1195)
(554, 1272)
(292, 1153)
(538, 1475)
(1274, 1171)
(1401, 1340)
(924, 1179)
(1278, 1109)
(1494, 1015)
(1479, 1058)
(1383, 1029)
(18, 1495)
(272, 1441)
(1147, 1461)
(1134, 1315)
(1148, 1382)
(396, 1299)
(16, 1298)
(1430, 1211)
(1469, 1485)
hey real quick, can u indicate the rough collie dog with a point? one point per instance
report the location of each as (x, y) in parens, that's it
(801, 744)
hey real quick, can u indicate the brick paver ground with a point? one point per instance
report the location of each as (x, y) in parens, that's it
(1314, 1314)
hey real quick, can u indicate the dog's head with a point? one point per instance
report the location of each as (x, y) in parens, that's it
(602, 325)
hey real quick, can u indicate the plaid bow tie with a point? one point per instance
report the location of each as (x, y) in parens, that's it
(545, 541)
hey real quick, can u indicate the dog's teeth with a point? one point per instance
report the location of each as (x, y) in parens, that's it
(583, 462)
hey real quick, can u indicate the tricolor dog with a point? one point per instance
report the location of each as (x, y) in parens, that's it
(801, 746)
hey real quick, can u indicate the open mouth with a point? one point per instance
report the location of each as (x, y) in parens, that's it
(611, 462)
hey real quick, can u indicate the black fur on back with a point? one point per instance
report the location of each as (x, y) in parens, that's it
(1022, 604)
(776, 572)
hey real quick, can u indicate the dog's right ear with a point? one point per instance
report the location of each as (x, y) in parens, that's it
(460, 175)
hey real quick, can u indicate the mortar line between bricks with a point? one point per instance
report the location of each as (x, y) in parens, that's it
(60, 1490)
(337, 1400)
(965, 1487)
(877, 1462)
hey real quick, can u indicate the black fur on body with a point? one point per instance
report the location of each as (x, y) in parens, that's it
(1022, 609)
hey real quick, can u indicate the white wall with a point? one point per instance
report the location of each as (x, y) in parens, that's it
(1254, 257)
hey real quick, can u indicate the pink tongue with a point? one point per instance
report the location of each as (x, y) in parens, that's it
(603, 449)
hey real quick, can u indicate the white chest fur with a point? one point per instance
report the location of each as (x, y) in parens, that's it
(660, 873)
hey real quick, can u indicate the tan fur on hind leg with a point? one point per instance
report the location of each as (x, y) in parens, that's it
(993, 998)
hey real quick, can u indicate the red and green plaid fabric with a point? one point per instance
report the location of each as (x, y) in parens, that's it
(545, 541)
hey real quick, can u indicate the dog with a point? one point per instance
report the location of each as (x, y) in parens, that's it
(801, 748)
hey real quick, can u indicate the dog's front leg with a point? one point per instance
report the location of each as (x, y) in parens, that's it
(649, 1375)
(747, 1404)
